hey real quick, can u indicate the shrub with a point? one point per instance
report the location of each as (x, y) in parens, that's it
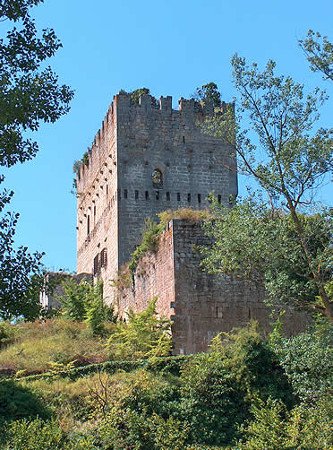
(35, 435)
(7, 334)
(302, 428)
(149, 241)
(308, 362)
(18, 402)
(219, 387)
(74, 298)
(145, 335)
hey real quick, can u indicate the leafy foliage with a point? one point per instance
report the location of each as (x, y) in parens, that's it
(303, 427)
(145, 335)
(281, 148)
(308, 362)
(84, 301)
(218, 388)
(254, 242)
(209, 93)
(29, 94)
(148, 243)
(20, 274)
(319, 52)
(18, 402)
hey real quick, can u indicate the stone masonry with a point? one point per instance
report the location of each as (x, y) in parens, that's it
(199, 304)
(146, 158)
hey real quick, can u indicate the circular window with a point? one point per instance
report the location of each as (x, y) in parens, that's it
(157, 179)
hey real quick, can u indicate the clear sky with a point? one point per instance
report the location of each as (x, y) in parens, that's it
(170, 46)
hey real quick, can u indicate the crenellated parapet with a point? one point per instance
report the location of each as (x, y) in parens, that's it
(102, 151)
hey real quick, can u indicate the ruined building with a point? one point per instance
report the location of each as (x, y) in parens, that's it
(147, 158)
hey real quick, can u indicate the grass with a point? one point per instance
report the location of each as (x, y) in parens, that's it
(190, 214)
(52, 344)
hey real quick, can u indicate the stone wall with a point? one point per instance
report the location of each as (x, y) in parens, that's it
(199, 304)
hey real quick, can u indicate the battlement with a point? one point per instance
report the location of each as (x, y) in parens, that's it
(102, 150)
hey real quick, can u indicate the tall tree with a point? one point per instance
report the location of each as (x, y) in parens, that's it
(280, 148)
(29, 94)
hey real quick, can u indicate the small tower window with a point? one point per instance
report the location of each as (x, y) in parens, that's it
(88, 225)
(178, 196)
(136, 194)
(168, 196)
(199, 198)
(157, 179)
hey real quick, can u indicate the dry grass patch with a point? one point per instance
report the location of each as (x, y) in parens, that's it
(39, 345)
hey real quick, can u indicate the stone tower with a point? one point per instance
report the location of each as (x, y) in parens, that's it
(146, 158)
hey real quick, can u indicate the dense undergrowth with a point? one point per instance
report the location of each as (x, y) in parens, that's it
(246, 392)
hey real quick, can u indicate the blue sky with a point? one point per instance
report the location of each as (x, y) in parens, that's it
(170, 46)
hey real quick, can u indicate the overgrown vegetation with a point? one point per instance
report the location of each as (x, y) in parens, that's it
(152, 231)
(246, 392)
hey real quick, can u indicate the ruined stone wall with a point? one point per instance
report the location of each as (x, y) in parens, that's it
(200, 305)
(154, 277)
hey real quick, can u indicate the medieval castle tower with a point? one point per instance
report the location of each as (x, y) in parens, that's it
(148, 158)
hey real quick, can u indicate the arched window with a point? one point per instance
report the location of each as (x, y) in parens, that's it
(157, 179)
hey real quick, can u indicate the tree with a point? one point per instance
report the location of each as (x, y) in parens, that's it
(29, 95)
(319, 52)
(209, 92)
(280, 148)
(253, 242)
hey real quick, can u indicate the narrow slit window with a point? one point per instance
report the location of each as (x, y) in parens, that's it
(189, 198)
(168, 196)
(88, 225)
(178, 196)
(147, 195)
(125, 193)
(136, 195)
(199, 198)
(219, 198)
(157, 195)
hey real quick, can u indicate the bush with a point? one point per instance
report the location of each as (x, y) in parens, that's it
(218, 388)
(145, 335)
(74, 298)
(125, 428)
(302, 428)
(35, 435)
(308, 362)
(7, 334)
(18, 402)
(149, 241)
